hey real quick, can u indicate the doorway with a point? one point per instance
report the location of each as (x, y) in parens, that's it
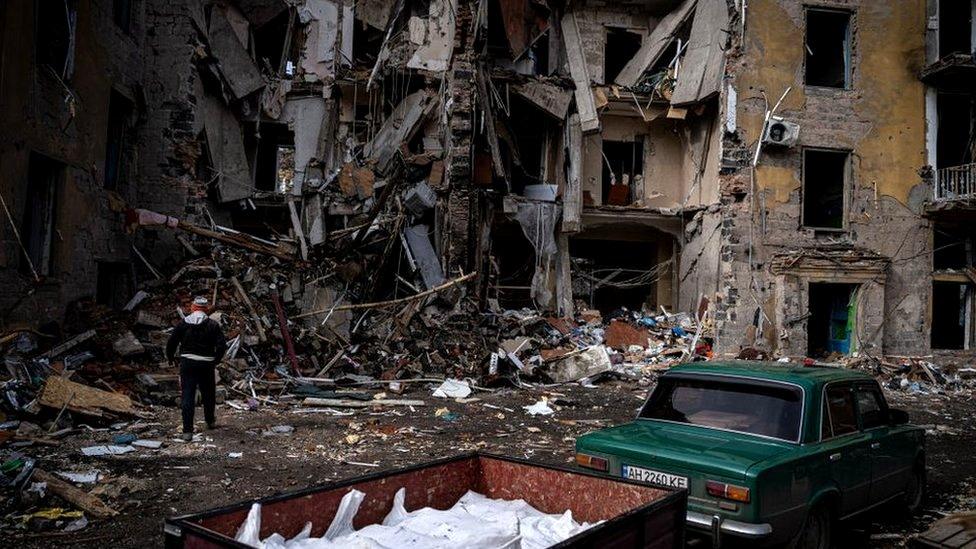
(833, 313)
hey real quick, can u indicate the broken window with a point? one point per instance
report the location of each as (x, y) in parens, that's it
(275, 162)
(951, 314)
(112, 284)
(54, 35)
(828, 45)
(955, 27)
(270, 49)
(622, 162)
(624, 272)
(952, 247)
(44, 178)
(954, 138)
(824, 188)
(620, 47)
(122, 14)
(119, 113)
(833, 313)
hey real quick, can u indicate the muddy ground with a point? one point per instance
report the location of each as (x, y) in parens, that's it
(148, 485)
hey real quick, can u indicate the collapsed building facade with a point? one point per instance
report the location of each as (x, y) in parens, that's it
(797, 173)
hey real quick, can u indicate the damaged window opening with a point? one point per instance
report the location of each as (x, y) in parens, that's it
(955, 27)
(952, 247)
(619, 48)
(954, 140)
(610, 274)
(952, 310)
(275, 162)
(119, 112)
(824, 188)
(269, 44)
(833, 315)
(622, 162)
(54, 35)
(44, 179)
(515, 262)
(828, 48)
(122, 14)
(112, 284)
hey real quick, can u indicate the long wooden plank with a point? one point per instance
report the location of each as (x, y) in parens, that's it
(59, 392)
(585, 106)
(655, 44)
(573, 194)
(79, 498)
(347, 403)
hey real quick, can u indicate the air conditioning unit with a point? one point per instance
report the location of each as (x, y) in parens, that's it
(781, 132)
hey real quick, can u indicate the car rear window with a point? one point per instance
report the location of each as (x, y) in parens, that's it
(764, 409)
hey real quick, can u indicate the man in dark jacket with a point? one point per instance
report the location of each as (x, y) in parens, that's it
(201, 346)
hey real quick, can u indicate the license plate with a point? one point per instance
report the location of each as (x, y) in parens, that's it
(654, 477)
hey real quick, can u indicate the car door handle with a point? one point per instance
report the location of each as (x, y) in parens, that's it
(875, 445)
(835, 457)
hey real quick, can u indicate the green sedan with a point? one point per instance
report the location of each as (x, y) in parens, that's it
(770, 452)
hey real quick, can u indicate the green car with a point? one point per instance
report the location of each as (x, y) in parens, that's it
(770, 452)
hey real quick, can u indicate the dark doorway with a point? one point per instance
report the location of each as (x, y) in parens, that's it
(824, 181)
(44, 179)
(950, 304)
(275, 163)
(113, 284)
(622, 161)
(620, 47)
(828, 48)
(54, 36)
(952, 246)
(515, 259)
(833, 312)
(954, 141)
(955, 27)
(610, 274)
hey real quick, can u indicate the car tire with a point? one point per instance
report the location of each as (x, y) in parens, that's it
(914, 495)
(816, 531)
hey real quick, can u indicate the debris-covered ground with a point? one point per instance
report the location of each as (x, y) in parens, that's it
(285, 447)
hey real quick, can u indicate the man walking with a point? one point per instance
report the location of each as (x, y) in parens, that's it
(201, 345)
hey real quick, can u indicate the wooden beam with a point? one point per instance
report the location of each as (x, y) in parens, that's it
(655, 44)
(589, 121)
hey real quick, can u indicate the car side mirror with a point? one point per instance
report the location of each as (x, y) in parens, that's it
(898, 417)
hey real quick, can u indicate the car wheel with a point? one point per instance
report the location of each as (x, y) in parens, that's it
(914, 491)
(816, 530)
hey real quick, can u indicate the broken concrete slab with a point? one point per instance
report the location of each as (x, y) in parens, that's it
(552, 99)
(654, 45)
(225, 143)
(128, 345)
(703, 66)
(585, 105)
(60, 393)
(419, 199)
(399, 128)
(575, 366)
(435, 51)
(236, 65)
(428, 262)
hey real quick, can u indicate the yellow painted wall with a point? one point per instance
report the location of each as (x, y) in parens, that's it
(882, 118)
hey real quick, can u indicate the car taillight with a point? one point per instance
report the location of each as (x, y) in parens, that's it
(592, 462)
(727, 491)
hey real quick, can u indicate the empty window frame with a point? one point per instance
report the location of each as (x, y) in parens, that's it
(952, 309)
(828, 48)
(955, 27)
(619, 47)
(44, 177)
(119, 113)
(623, 161)
(952, 246)
(954, 133)
(122, 14)
(825, 174)
(54, 35)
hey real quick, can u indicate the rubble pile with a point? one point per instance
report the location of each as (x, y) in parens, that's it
(915, 375)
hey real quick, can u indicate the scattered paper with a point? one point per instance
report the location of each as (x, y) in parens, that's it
(540, 408)
(107, 450)
(453, 388)
(91, 477)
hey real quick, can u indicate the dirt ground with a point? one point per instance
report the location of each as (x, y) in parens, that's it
(148, 485)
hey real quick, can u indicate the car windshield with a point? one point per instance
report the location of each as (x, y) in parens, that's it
(764, 409)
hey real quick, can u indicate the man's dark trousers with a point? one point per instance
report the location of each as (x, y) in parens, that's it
(196, 374)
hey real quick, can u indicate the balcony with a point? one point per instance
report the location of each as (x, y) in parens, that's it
(955, 183)
(953, 72)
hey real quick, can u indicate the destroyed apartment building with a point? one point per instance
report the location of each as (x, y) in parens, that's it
(797, 176)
